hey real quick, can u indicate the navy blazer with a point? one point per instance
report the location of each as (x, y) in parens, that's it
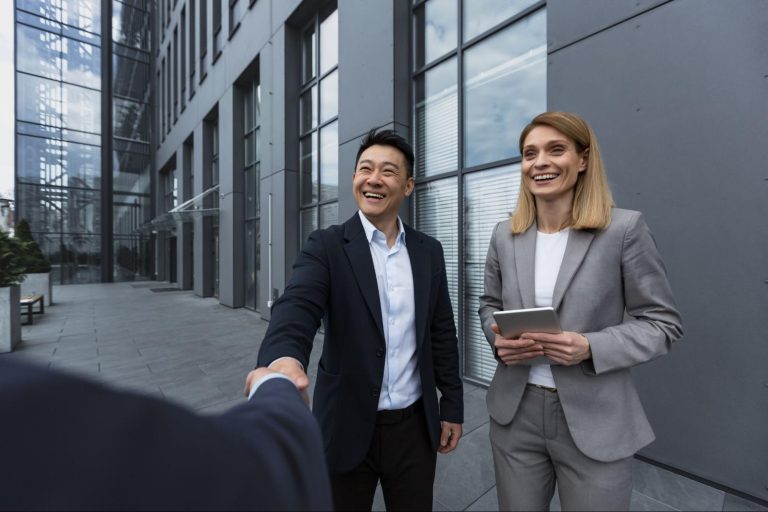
(334, 281)
(69, 444)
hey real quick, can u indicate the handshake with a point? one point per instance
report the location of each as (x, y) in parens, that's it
(285, 366)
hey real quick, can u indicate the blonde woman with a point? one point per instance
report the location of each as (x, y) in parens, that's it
(577, 421)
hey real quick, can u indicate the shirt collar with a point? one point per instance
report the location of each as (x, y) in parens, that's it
(370, 229)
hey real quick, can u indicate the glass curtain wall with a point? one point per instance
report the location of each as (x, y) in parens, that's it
(252, 171)
(131, 117)
(58, 132)
(319, 123)
(479, 77)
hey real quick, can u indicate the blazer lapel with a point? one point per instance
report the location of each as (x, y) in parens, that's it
(422, 279)
(359, 255)
(525, 249)
(579, 241)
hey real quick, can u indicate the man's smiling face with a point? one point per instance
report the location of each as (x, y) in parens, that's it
(381, 182)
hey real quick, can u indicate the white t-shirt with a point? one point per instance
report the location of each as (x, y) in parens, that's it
(550, 249)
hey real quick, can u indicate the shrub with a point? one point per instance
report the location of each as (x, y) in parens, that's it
(32, 258)
(11, 266)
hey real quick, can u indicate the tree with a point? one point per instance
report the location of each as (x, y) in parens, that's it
(32, 257)
(11, 266)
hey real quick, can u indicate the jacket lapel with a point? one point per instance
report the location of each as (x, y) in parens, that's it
(422, 279)
(578, 243)
(359, 255)
(525, 249)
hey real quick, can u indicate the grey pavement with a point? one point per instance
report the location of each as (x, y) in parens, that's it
(196, 352)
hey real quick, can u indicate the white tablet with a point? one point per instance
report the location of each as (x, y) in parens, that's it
(515, 322)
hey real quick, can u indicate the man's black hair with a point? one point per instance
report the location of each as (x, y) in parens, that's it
(388, 138)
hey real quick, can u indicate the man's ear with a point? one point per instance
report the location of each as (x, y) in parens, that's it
(409, 186)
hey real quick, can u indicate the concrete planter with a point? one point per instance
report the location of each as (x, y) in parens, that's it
(38, 284)
(10, 317)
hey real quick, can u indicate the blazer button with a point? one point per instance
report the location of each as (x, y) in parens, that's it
(380, 352)
(375, 392)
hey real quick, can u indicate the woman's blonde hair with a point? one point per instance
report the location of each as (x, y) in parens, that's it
(592, 200)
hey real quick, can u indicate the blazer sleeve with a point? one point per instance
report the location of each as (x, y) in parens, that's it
(278, 432)
(297, 314)
(652, 322)
(491, 299)
(445, 352)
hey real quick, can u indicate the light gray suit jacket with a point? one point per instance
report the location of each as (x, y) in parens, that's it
(613, 288)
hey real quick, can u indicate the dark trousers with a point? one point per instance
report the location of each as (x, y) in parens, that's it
(401, 456)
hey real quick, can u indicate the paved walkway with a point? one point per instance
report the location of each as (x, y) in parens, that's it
(174, 345)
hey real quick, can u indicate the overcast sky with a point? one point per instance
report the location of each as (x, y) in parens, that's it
(6, 99)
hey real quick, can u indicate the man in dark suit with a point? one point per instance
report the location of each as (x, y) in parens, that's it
(390, 339)
(71, 444)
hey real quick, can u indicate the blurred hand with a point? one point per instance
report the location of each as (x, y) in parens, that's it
(515, 351)
(449, 437)
(254, 376)
(567, 348)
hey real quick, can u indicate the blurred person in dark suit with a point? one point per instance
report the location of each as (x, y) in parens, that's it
(68, 443)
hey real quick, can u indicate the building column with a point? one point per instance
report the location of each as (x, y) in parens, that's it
(184, 230)
(202, 245)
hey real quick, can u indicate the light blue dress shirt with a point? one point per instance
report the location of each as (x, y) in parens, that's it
(401, 385)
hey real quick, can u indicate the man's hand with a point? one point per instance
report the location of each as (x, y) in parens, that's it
(567, 348)
(254, 376)
(291, 368)
(515, 351)
(449, 437)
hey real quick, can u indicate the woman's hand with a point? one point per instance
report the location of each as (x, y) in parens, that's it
(567, 348)
(515, 351)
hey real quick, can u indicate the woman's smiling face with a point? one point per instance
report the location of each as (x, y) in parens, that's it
(551, 164)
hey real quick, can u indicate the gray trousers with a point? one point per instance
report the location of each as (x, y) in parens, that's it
(536, 451)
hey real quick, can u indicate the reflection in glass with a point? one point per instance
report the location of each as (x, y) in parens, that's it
(308, 169)
(130, 78)
(131, 170)
(82, 14)
(481, 15)
(38, 100)
(329, 161)
(81, 109)
(307, 106)
(329, 42)
(504, 87)
(437, 120)
(329, 97)
(129, 25)
(329, 215)
(81, 64)
(38, 52)
(39, 161)
(436, 213)
(436, 30)
(489, 197)
(309, 65)
(130, 119)
(308, 223)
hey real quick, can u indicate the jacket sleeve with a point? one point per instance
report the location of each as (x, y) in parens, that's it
(652, 322)
(445, 352)
(297, 314)
(491, 299)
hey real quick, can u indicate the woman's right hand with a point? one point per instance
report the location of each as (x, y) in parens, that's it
(515, 351)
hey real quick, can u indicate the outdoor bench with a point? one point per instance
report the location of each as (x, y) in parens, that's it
(29, 301)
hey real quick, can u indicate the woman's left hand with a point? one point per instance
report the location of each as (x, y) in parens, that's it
(567, 348)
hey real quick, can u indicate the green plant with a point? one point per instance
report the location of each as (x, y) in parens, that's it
(32, 257)
(11, 266)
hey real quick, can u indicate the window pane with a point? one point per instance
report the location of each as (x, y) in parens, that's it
(329, 162)
(329, 215)
(308, 56)
(436, 30)
(82, 63)
(505, 86)
(38, 100)
(130, 78)
(250, 263)
(83, 14)
(82, 109)
(250, 192)
(308, 222)
(437, 120)
(308, 169)
(489, 197)
(436, 213)
(39, 161)
(82, 164)
(307, 105)
(329, 97)
(131, 171)
(480, 15)
(329, 42)
(38, 52)
(130, 119)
